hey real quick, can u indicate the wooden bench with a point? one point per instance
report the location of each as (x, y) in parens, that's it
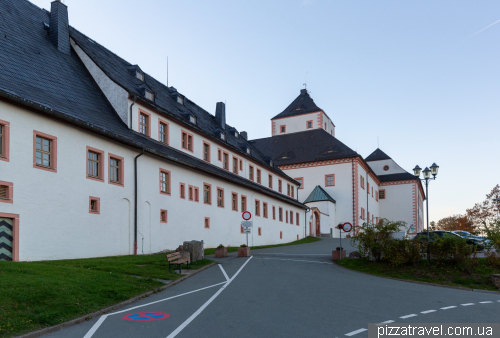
(175, 258)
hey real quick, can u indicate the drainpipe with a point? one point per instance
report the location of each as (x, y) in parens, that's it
(133, 102)
(135, 199)
(305, 222)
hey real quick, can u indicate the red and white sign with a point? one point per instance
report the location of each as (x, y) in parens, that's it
(246, 215)
(347, 227)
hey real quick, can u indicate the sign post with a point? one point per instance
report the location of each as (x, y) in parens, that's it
(347, 227)
(246, 223)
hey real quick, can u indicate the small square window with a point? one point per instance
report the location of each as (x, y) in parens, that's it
(207, 222)
(249, 151)
(94, 205)
(163, 216)
(282, 129)
(222, 136)
(139, 75)
(180, 100)
(329, 180)
(149, 95)
(309, 124)
(6, 192)
(192, 119)
(381, 194)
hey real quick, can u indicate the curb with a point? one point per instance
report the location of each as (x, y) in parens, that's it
(84, 318)
(423, 283)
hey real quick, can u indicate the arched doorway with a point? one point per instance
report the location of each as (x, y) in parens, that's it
(317, 220)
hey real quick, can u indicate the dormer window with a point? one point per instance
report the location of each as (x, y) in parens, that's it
(248, 151)
(149, 95)
(271, 163)
(192, 119)
(222, 136)
(139, 75)
(236, 134)
(180, 100)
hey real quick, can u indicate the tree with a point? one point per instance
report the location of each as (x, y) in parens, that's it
(456, 222)
(481, 212)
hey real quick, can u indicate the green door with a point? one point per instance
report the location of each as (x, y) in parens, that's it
(6, 239)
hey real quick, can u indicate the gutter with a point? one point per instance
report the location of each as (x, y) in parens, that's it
(135, 200)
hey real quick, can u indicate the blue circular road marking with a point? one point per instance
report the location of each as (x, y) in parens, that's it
(146, 316)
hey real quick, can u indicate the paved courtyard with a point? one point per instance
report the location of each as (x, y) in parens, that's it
(293, 291)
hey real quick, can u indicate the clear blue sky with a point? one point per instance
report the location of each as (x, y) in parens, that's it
(409, 72)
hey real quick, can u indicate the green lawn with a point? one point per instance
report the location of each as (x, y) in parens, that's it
(234, 248)
(430, 273)
(34, 295)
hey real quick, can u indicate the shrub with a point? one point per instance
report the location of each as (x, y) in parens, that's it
(455, 250)
(339, 248)
(373, 239)
(243, 246)
(402, 251)
(220, 246)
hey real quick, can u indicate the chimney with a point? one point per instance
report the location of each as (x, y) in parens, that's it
(220, 114)
(303, 91)
(59, 26)
(244, 135)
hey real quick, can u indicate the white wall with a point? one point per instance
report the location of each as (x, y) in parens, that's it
(398, 203)
(298, 123)
(367, 200)
(175, 141)
(55, 222)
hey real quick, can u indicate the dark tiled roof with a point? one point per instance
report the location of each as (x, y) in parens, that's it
(397, 177)
(35, 75)
(119, 70)
(306, 146)
(318, 195)
(377, 155)
(303, 104)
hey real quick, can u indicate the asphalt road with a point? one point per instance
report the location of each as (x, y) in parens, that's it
(293, 291)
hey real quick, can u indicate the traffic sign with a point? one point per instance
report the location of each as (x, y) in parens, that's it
(247, 230)
(146, 316)
(347, 227)
(247, 224)
(246, 215)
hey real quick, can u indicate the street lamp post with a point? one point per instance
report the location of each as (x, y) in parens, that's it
(427, 176)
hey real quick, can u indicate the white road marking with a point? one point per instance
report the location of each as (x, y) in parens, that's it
(355, 332)
(448, 307)
(408, 316)
(487, 302)
(467, 304)
(292, 254)
(224, 272)
(95, 327)
(428, 311)
(387, 322)
(194, 315)
(103, 317)
(298, 260)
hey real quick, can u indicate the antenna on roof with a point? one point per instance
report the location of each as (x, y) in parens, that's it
(378, 143)
(167, 71)
(305, 83)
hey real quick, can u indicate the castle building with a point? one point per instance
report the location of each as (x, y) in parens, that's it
(337, 183)
(98, 158)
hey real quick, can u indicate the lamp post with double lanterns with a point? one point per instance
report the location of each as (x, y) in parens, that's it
(427, 176)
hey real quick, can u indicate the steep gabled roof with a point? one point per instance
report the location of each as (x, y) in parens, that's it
(34, 74)
(377, 155)
(123, 73)
(305, 146)
(319, 194)
(303, 104)
(397, 177)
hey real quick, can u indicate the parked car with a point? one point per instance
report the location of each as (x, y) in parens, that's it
(433, 235)
(465, 234)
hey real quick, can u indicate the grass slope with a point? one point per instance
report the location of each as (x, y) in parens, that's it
(34, 295)
(431, 273)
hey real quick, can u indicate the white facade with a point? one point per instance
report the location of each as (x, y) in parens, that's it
(297, 123)
(53, 207)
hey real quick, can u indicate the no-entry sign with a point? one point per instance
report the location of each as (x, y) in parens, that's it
(347, 227)
(146, 316)
(246, 215)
